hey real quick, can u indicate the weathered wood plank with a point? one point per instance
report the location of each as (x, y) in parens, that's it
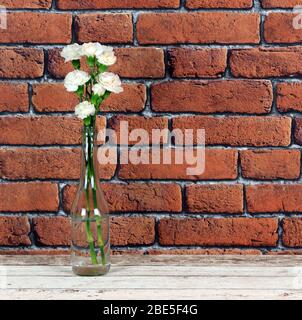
(155, 271)
(160, 282)
(128, 294)
(137, 260)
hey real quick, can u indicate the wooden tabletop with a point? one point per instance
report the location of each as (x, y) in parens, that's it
(155, 277)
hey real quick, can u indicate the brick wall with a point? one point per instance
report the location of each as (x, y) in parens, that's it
(232, 67)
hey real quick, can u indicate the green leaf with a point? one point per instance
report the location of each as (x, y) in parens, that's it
(76, 64)
(106, 95)
(95, 99)
(80, 91)
(87, 121)
(102, 68)
(91, 61)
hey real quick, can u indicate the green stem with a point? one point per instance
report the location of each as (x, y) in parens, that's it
(88, 231)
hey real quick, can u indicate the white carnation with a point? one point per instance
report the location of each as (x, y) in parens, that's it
(92, 49)
(98, 89)
(84, 110)
(75, 79)
(72, 52)
(107, 57)
(111, 82)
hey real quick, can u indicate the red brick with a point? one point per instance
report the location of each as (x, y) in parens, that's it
(135, 197)
(14, 97)
(106, 28)
(278, 28)
(266, 62)
(21, 62)
(138, 122)
(197, 63)
(216, 198)
(268, 198)
(56, 231)
(117, 4)
(213, 96)
(52, 231)
(292, 232)
(140, 63)
(163, 28)
(219, 232)
(35, 252)
(219, 164)
(14, 231)
(131, 63)
(132, 231)
(51, 163)
(40, 130)
(280, 3)
(298, 130)
(29, 196)
(239, 131)
(289, 96)
(26, 4)
(270, 164)
(196, 4)
(37, 27)
(53, 97)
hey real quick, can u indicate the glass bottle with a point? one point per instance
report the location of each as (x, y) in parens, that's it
(90, 220)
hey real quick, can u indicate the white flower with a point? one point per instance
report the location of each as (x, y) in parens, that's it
(84, 110)
(92, 49)
(98, 89)
(72, 52)
(107, 57)
(75, 79)
(111, 82)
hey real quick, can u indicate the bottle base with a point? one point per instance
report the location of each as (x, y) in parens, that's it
(91, 270)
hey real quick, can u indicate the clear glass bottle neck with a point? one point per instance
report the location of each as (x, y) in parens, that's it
(89, 168)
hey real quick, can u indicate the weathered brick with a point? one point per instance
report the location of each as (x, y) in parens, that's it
(240, 96)
(21, 62)
(268, 198)
(117, 4)
(289, 96)
(270, 164)
(278, 28)
(26, 4)
(14, 97)
(53, 97)
(14, 231)
(228, 4)
(219, 232)
(51, 163)
(137, 122)
(207, 252)
(298, 131)
(56, 231)
(239, 131)
(266, 62)
(135, 197)
(216, 198)
(197, 63)
(29, 196)
(127, 231)
(219, 164)
(292, 232)
(36, 27)
(163, 28)
(52, 231)
(280, 3)
(40, 130)
(131, 63)
(106, 28)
